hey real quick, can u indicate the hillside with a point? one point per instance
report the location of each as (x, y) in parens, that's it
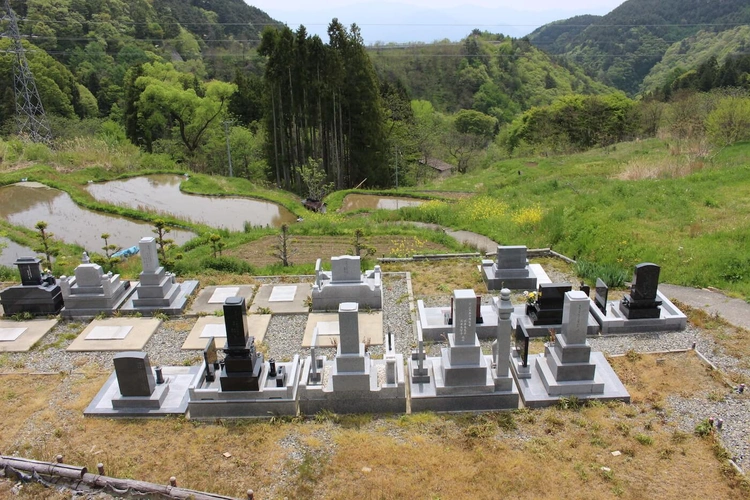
(622, 46)
(691, 52)
(494, 74)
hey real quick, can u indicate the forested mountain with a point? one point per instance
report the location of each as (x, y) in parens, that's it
(621, 47)
(690, 53)
(497, 75)
(80, 50)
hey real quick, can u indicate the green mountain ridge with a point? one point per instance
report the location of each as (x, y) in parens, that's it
(621, 47)
(497, 75)
(695, 50)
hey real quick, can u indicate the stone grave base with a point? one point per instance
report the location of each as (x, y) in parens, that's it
(88, 312)
(536, 277)
(434, 396)
(257, 324)
(137, 331)
(174, 402)
(20, 336)
(432, 320)
(370, 327)
(175, 308)
(614, 322)
(208, 401)
(539, 389)
(279, 302)
(207, 300)
(328, 298)
(381, 398)
(540, 331)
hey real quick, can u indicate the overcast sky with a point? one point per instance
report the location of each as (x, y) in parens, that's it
(429, 20)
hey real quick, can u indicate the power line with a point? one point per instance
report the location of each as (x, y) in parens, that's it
(30, 114)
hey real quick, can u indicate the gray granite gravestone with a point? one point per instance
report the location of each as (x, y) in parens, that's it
(346, 283)
(91, 292)
(462, 378)
(568, 367)
(158, 290)
(641, 302)
(134, 375)
(39, 293)
(509, 270)
(351, 382)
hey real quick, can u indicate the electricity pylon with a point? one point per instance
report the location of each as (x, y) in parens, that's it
(30, 116)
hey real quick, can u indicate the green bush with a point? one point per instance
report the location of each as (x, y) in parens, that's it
(227, 265)
(614, 276)
(8, 274)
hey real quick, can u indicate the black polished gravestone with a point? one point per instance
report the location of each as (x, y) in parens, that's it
(641, 302)
(522, 345)
(39, 293)
(134, 375)
(548, 308)
(242, 364)
(600, 296)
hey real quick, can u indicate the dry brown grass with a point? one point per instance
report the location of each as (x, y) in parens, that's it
(307, 249)
(666, 168)
(440, 277)
(550, 453)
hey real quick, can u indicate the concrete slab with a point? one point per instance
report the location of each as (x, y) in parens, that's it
(178, 379)
(298, 305)
(211, 298)
(109, 332)
(213, 326)
(534, 393)
(32, 332)
(141, 330)
(370, 327)
(614, 321)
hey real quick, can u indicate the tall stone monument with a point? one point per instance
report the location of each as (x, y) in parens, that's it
(247, 385)
(242, 364)
(510, 269)
(39, 292)
(353, 382)
(463, 378)
(568, 367)
(158, 290)
(92, 292)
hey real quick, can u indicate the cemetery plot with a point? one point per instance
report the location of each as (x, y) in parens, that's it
(277, 301)
(211, 299)
(213, 326)
(20, 336)
(370, 329)
(115, 334)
